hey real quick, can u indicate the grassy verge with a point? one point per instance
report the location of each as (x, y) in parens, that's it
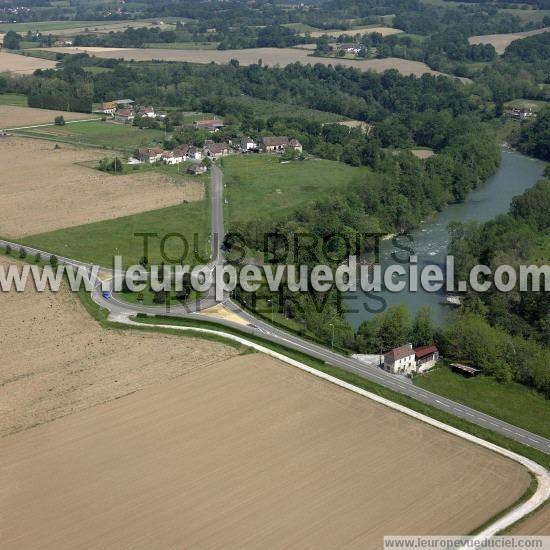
(98, 242)
(513, 403)
(373, 387)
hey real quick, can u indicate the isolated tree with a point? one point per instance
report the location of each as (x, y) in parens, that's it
(59, 120)
(54, 262)
(12, 41)
(22, 253)
(37, 258)
(8, 250)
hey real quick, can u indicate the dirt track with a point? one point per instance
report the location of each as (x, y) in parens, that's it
(53, 191)
(246, 453)
(21, 64)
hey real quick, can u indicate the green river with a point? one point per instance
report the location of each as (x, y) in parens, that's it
(430, 241)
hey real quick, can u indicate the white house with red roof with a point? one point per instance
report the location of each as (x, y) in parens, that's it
(400, 360)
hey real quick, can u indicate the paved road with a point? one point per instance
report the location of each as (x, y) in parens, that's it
(266, 331)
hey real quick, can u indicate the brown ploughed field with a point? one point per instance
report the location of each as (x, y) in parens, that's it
(47, 189)
(22, 64)
(242, 453)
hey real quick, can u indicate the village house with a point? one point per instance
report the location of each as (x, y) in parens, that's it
(123, 103)
(150, 155)
(182, 152)
(274, 144)
(107, 108)
(248, 144)
(350, 48)
(295, 145)
(216, 150)
(197, 169)
(426, 357)
(520, 114)
(400, 360)
(125, 116)
(194, 153)
(171, 157)
(148, 112)
(212, 125)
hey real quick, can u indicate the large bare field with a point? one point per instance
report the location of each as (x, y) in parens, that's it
(12, 116)
(111, 27)
(384, 31)
(502, 41)
(242, 453)
(22, 64)
(536, 525)
(269, 56)
(44, 188)
(57, 360)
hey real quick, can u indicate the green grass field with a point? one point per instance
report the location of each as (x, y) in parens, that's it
(513, 403)
(260, 185)
(123, 137)
(17, 100)
(265, 109)
(98, 242)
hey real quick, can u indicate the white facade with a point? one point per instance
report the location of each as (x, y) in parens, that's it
(400, 360)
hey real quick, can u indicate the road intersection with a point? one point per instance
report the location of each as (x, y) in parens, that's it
(259, 328)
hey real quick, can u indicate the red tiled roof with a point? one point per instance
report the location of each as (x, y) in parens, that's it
(425, 350)
(400, 352)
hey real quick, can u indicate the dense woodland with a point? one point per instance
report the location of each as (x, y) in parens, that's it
(507, 334)
(534, 139)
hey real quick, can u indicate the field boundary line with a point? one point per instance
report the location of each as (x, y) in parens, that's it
(540, 473)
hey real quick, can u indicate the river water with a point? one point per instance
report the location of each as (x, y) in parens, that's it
(430, 241)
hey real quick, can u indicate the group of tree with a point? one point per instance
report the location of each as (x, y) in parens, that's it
(518, 321)
(534, 138)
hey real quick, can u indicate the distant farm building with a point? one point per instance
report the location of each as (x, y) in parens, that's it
(216, 150)
(212, 125)
(126, 116)
(274, 144)
(107, 108)
(150, 155)
(295, 145)
(148, 112)
(248, 144)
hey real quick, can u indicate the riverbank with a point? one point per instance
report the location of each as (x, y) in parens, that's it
(430, 241)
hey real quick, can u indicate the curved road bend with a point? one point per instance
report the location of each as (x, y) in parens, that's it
(260, 328)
